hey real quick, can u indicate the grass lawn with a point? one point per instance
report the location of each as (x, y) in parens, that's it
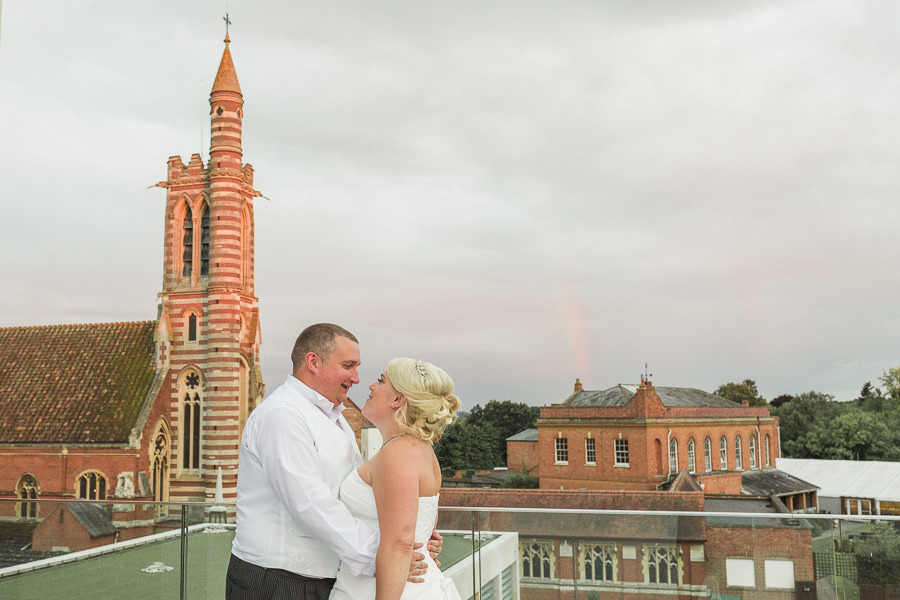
(118, 575)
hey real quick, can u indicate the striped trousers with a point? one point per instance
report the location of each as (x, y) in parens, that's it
(246, 581)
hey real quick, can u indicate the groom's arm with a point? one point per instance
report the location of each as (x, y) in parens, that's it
(290, 461)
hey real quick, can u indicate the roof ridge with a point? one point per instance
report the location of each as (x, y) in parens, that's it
(65, 325)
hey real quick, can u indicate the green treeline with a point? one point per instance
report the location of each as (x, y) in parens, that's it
(478, 439)
(813, 425)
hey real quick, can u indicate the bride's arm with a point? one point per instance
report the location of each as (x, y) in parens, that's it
(396, 488)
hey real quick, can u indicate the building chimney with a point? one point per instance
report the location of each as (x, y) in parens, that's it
(578, 387)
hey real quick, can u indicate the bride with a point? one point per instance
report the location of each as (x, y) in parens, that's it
(397, 490)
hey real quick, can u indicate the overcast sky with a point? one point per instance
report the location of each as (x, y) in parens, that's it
(521, 192)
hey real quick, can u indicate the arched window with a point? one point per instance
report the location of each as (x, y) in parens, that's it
(752, 451)
(707, 454)
(738, 459)
(192, 324)
(27, 490)
(723, 453)
(160, 468)
(91, 485)
(692, 457)
(192, 327)
(187, 242)
(768, 455)
(204, 241)
(189, 392)
(662, 564)
(673, 456)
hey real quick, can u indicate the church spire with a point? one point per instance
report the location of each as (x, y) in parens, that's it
(226, 79)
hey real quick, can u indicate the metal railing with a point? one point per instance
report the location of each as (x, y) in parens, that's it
(489, 552)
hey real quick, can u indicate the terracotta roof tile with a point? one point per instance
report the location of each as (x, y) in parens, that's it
(74, 383)
(226, 76)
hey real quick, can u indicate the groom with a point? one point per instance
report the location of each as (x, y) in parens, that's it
(292, 531)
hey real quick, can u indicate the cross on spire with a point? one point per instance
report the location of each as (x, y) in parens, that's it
(227, 23)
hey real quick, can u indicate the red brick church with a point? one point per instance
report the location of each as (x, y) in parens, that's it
(148, 410)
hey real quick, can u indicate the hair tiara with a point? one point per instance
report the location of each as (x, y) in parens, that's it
(421, 369)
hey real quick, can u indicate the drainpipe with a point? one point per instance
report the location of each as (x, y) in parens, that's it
(779, 439)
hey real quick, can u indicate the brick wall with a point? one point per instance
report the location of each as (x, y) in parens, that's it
(759, 542)
(62, 530)
(521, 455)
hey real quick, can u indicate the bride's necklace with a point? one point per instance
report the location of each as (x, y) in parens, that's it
(396, 435)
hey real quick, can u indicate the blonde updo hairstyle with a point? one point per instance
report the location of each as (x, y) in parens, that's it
(430, 404)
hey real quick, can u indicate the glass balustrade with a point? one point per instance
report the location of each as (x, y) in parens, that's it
(81, 549)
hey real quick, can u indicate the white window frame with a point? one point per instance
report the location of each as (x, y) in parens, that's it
(723, 453)
(622, 458)
(673, 456)
(738, 459)
(561, 447)
(692, 456)
(707, 454)
(590, 451)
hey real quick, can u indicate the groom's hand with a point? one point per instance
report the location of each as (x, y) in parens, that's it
(435, 545)
(417, 566)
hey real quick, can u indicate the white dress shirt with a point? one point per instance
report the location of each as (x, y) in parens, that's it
(295, 451)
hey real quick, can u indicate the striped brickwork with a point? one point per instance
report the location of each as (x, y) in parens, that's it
(225, 353)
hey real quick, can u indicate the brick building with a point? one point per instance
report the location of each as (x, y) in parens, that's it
(149, 410)
(564, 556)
(641, 437)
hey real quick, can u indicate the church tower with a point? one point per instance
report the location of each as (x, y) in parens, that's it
(208, 334)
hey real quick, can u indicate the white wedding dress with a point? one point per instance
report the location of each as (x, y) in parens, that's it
(357, 496)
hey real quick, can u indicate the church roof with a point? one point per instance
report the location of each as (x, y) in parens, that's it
(669, 396)
(74, 383)
(226, 77)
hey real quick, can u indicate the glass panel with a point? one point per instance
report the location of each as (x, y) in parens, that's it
(507, 553)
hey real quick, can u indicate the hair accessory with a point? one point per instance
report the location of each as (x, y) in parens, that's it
(421, 369)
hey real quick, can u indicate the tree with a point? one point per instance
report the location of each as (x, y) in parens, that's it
(891, 381)
(478, 441)
(799, 417)
(522, 481)
(878, 556)
(853, 434)
(506, 418)
(738, 392)
(780, 400)
(870, 398)
(467, 446)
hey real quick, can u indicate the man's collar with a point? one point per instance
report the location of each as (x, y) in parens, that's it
(328, 408)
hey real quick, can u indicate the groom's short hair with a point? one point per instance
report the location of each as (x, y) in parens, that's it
(318, 338)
